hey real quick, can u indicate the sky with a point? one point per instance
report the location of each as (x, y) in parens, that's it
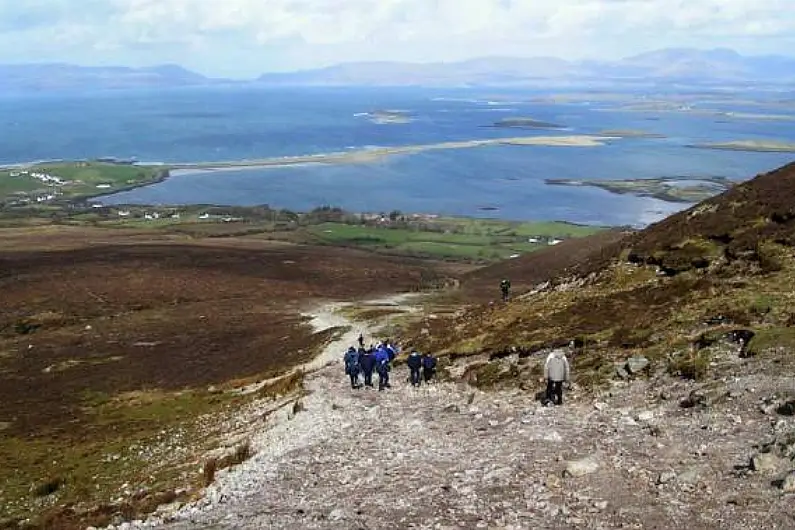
(244, 38)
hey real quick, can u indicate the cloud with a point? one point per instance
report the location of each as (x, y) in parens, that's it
(306, 31)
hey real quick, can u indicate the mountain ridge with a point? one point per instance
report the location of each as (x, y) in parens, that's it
(667, 65)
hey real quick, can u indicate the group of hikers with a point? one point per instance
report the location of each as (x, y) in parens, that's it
(422, 367)
(379, 358)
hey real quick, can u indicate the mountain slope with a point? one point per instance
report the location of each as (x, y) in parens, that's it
(676, 64)
(727, 261)
(57, 76)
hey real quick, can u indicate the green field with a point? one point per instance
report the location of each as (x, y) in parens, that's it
(450, 238)
(81, 179)
(467, 239)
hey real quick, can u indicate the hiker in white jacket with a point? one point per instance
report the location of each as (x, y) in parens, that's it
(556, 371)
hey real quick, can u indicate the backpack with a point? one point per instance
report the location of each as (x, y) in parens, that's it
(429, 362)
(351, 361)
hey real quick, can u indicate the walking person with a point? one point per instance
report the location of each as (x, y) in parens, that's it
(556, 372)
(367, 364)
(382, 367)
(352, 366)
(505, 288)
(428, 367)
(414, 363)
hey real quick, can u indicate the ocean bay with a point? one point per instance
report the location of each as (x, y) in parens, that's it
(505, 181)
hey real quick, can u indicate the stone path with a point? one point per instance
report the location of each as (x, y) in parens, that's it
(447, 456)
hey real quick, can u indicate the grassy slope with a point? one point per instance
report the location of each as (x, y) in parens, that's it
(731, 256)
(83, 178)
(469, 239)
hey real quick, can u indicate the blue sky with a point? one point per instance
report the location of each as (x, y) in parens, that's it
(242, 38)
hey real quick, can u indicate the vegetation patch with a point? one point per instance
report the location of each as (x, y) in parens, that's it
(771, 338)
(694, 365)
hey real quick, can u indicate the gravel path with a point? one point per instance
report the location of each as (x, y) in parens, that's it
(446, 456)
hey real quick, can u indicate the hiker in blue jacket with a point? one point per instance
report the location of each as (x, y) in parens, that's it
(414, 363)
(390, 349)
(367, 364)
(352, 366)
(428, 367)
(382, 367)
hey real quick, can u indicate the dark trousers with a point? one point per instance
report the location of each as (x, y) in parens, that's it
(354, 378)
(383, 379)
(427, 374)
(415, 376)
(555, 391)
(368, 378)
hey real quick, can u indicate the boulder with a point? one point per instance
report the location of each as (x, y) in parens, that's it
(666, 476)
(581, 467)
(788, 484)
(636, 364)
(766, 463)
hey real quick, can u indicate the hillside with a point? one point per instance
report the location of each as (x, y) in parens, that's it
(653, 290)
(665, 65)
(670, 422)
(58, 76)
(679, 65)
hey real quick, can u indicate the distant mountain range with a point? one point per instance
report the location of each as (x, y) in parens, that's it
(672, 65)
(56, 76)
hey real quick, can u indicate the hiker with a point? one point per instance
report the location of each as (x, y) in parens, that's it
(382, 367)
(556, 371)
(505, 287)
(352, 366)
(414, 363)
(361, 341)
(367, 364)
(428, 367)
(390, 350)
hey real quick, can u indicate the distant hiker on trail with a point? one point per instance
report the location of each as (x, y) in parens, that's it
(382, 367)
(361, 341)
(505, 287)
(428, 367)
(367, 364)
(556, 371)
(414, 363)
(352, 366)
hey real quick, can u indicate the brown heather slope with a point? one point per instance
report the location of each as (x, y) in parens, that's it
(112, 318)
(111, 338)
(537, 267)
(651, 290)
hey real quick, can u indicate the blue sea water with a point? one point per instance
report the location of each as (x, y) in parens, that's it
(234, 123)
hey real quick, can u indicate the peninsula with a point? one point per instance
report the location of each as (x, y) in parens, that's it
(760, 146)
(374, 154)
(670, 189)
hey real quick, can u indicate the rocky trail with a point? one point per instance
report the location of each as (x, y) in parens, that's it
(449, 456)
